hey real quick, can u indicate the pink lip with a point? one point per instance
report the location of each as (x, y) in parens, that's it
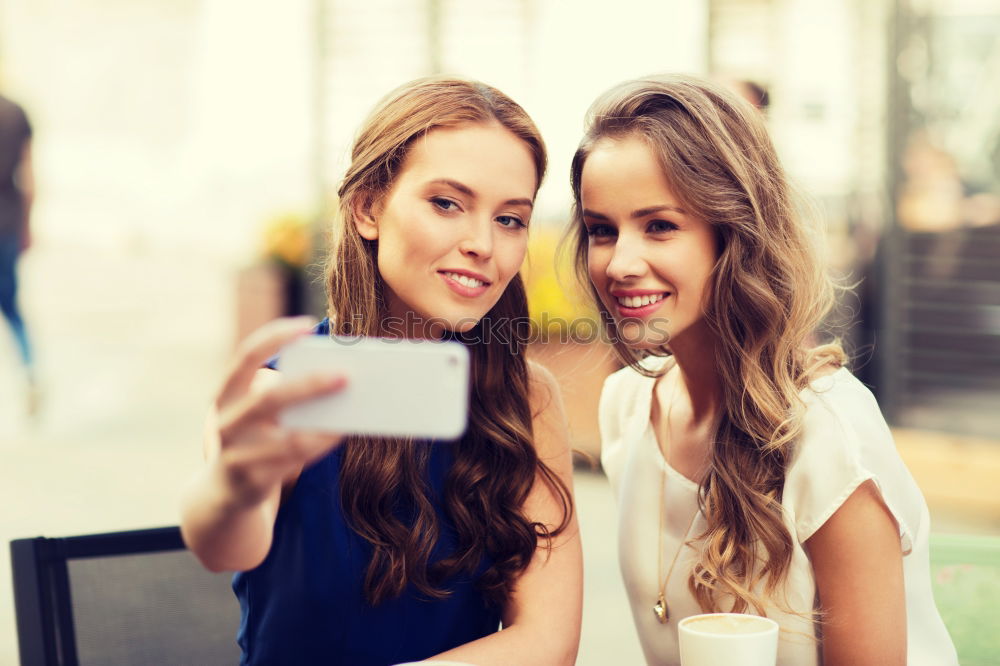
(466, 273)
(643, 311)
(461, 289)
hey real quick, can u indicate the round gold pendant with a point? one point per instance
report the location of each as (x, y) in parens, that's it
(660, 610)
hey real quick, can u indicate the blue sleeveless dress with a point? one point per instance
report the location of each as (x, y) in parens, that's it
(305, 603)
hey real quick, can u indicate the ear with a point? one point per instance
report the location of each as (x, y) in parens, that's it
(364, 221)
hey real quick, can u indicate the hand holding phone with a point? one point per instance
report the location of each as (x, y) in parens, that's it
(250, 457)
(395, 387)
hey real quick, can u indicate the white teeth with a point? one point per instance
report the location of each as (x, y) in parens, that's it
(465, 280)
(640, 301)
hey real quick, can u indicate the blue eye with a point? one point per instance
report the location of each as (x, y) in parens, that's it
(511, 222)
(446, 205)
(661, 226)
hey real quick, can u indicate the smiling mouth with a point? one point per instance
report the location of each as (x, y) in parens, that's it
(464, 280)
(640, 301)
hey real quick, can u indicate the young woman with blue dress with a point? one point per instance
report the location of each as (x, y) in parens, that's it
(364, 550)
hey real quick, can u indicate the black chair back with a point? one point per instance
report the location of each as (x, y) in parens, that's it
(119, 599)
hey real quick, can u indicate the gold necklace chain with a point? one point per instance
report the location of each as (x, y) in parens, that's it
(660, 609)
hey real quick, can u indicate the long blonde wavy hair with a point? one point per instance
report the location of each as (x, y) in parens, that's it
(769, 295)
(495, 462)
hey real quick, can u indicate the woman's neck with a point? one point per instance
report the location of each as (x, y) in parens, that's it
(699, 379)
(688, 405)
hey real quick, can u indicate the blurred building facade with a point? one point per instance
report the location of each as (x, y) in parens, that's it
(940, 264)
(889, 114)
(190, 123)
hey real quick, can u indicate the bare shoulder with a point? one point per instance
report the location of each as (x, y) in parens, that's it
(538, 372)
(548, 414)
(543, 387)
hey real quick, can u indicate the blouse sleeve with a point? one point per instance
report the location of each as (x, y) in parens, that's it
(845, 441)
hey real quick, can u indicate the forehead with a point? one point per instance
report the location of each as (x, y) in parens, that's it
(484, 156)
(624, 167)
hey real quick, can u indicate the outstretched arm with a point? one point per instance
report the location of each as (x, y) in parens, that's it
(858, 563)
(542, 620)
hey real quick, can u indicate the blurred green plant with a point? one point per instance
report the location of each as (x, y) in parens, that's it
(965, 572)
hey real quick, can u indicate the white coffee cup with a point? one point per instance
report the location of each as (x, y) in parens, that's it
(728, 638)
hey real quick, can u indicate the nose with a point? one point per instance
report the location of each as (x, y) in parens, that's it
(627, 261)
(478, 240)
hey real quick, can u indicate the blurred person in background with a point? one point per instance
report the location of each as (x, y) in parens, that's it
(754, 473)
(16, 195)
(754, 93)
(375, 551)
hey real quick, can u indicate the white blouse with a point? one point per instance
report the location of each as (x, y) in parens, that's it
(844, 442)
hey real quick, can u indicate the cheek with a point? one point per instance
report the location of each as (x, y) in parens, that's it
(405, 248)
(390, 239)
(391, 258)
(597, 264)
(511, 258)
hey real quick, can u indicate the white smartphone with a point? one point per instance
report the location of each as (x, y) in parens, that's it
(395, 387)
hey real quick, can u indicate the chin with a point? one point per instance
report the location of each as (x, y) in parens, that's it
(647, 346)
(643, 336)
(458, 322)
(464, 319)
(464, 325)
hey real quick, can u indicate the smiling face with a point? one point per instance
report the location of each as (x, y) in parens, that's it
(649, 259)
(452, 231)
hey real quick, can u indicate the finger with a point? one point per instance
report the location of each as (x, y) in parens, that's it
(259, 346)
(266, 404)
(252, 471)
(273, 446)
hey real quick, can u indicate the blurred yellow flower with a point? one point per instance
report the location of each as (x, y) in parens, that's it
(555, 300)
(287, 240)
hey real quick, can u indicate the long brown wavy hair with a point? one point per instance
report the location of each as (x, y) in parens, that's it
(495, 462)
(769, 295)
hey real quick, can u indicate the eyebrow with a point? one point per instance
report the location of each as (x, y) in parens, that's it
(636, 214)
(466, 190)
